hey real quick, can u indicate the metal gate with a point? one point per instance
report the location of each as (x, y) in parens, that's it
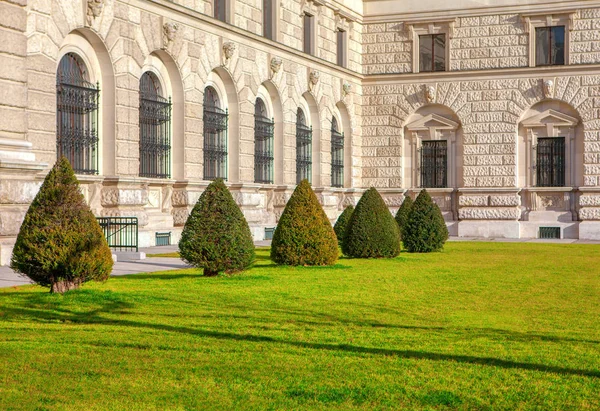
(121, 232)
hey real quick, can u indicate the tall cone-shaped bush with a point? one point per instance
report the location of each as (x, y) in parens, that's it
(425, 230)
(403, 213)
(304, 235)
(372, 230)
(216, 236)
(60, 244)
(342, 223)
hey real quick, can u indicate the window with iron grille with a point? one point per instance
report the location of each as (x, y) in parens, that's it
(215, 137)
(337, 155)
(155, 129)
(434, 164)
(303, 148)
(550, 162)
(221, 10)
(263, 144)
(77, 115)
(550, 46)
(432, 52)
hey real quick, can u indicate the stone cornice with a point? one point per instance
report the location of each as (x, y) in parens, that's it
(192, 18)
(479, 75)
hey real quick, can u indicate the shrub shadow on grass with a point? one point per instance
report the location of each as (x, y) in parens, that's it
(36, 306)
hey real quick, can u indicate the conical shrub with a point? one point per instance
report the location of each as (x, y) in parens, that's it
(342, 223)
(216, 236)
(403, 213)
(425, 230)
(304, 235)
(60, 244)
(372, 231)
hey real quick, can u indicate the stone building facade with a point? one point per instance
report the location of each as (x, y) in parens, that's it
(489, 106)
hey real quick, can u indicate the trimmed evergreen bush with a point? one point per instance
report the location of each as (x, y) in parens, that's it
(425, 230)
(342, 223)
(403, 213)
(60, 244)
(216, 236)
(372, 231)
(304, 235)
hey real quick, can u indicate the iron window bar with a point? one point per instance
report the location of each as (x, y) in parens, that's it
(434, 164)
(303, 152)
(215, 142)
(263, 149)
(550, 162)
(337, 158)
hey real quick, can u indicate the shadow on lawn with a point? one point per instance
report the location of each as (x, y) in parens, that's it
(42, 308)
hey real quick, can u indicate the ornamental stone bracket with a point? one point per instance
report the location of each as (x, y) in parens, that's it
(312, 7)
(170, 31)
(229, 49)
(93, 10)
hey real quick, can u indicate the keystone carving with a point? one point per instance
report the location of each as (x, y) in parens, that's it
(170, 30)
(346, 89)
(429, 93)
(228, 51)
(275, 66)
(94, 9)
(313, 79)
(548, 88)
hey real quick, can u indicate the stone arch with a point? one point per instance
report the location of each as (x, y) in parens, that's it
(165, 68)
(222, 81)
(94, 53)
(345, 123)
(309, 104)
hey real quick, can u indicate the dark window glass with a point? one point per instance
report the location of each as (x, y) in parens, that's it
(337, 155)
(434, 164)
(308, 33)
(263, 144)
(215, 137)
(155, 129)
(432, 52)
(76, 115)
(550, 46)
(303, 148)
(268, 19)
(550, 162)
(341, 48)
(221, 10)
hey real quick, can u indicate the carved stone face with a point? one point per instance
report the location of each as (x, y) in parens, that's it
(276, 64)
(95, 7)
(229, 49)
(314, 77)
(170, 31)
(346, 88)
(430, 94)
(548, 88)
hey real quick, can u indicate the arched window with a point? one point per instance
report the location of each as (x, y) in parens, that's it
(215, 137)
(337, 155)
(303, 148)
(263, 144)
(155, 129)
(77, 115)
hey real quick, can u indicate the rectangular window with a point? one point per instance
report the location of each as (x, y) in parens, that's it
(268, 19)
(434, 164)
(341, 48)
(308, 33)
(550, 46)
(432, 52)
(550, 164)
(220, 10)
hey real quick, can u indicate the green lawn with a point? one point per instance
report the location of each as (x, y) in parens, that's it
(479, 326)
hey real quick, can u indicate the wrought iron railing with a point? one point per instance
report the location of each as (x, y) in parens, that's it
(215, 143)
(434, 164)
(77, 124)
(121, 232)
(155, 136)
(303, 152)
(263, 149)
(550, 162)
(337, 158)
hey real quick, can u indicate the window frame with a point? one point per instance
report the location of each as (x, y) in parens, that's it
(436, 169)
(221, 169)
(306, 145)
(538, 20)
(264, 148)
(337, 153)
(341, 47)
(433, 51)
(309, 44)
(421, 28)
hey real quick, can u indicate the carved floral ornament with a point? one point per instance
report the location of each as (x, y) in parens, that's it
(170, 30)
(94, 10)
(275, 65)
(313, 79)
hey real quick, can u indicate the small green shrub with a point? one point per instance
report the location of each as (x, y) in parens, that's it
(403, 213)
(372, 230)
(60, 244)
(304, 235)
(425, 230)
(342, 223)
(216, 236)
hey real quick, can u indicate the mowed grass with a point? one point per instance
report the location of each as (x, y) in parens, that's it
(478, 326)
